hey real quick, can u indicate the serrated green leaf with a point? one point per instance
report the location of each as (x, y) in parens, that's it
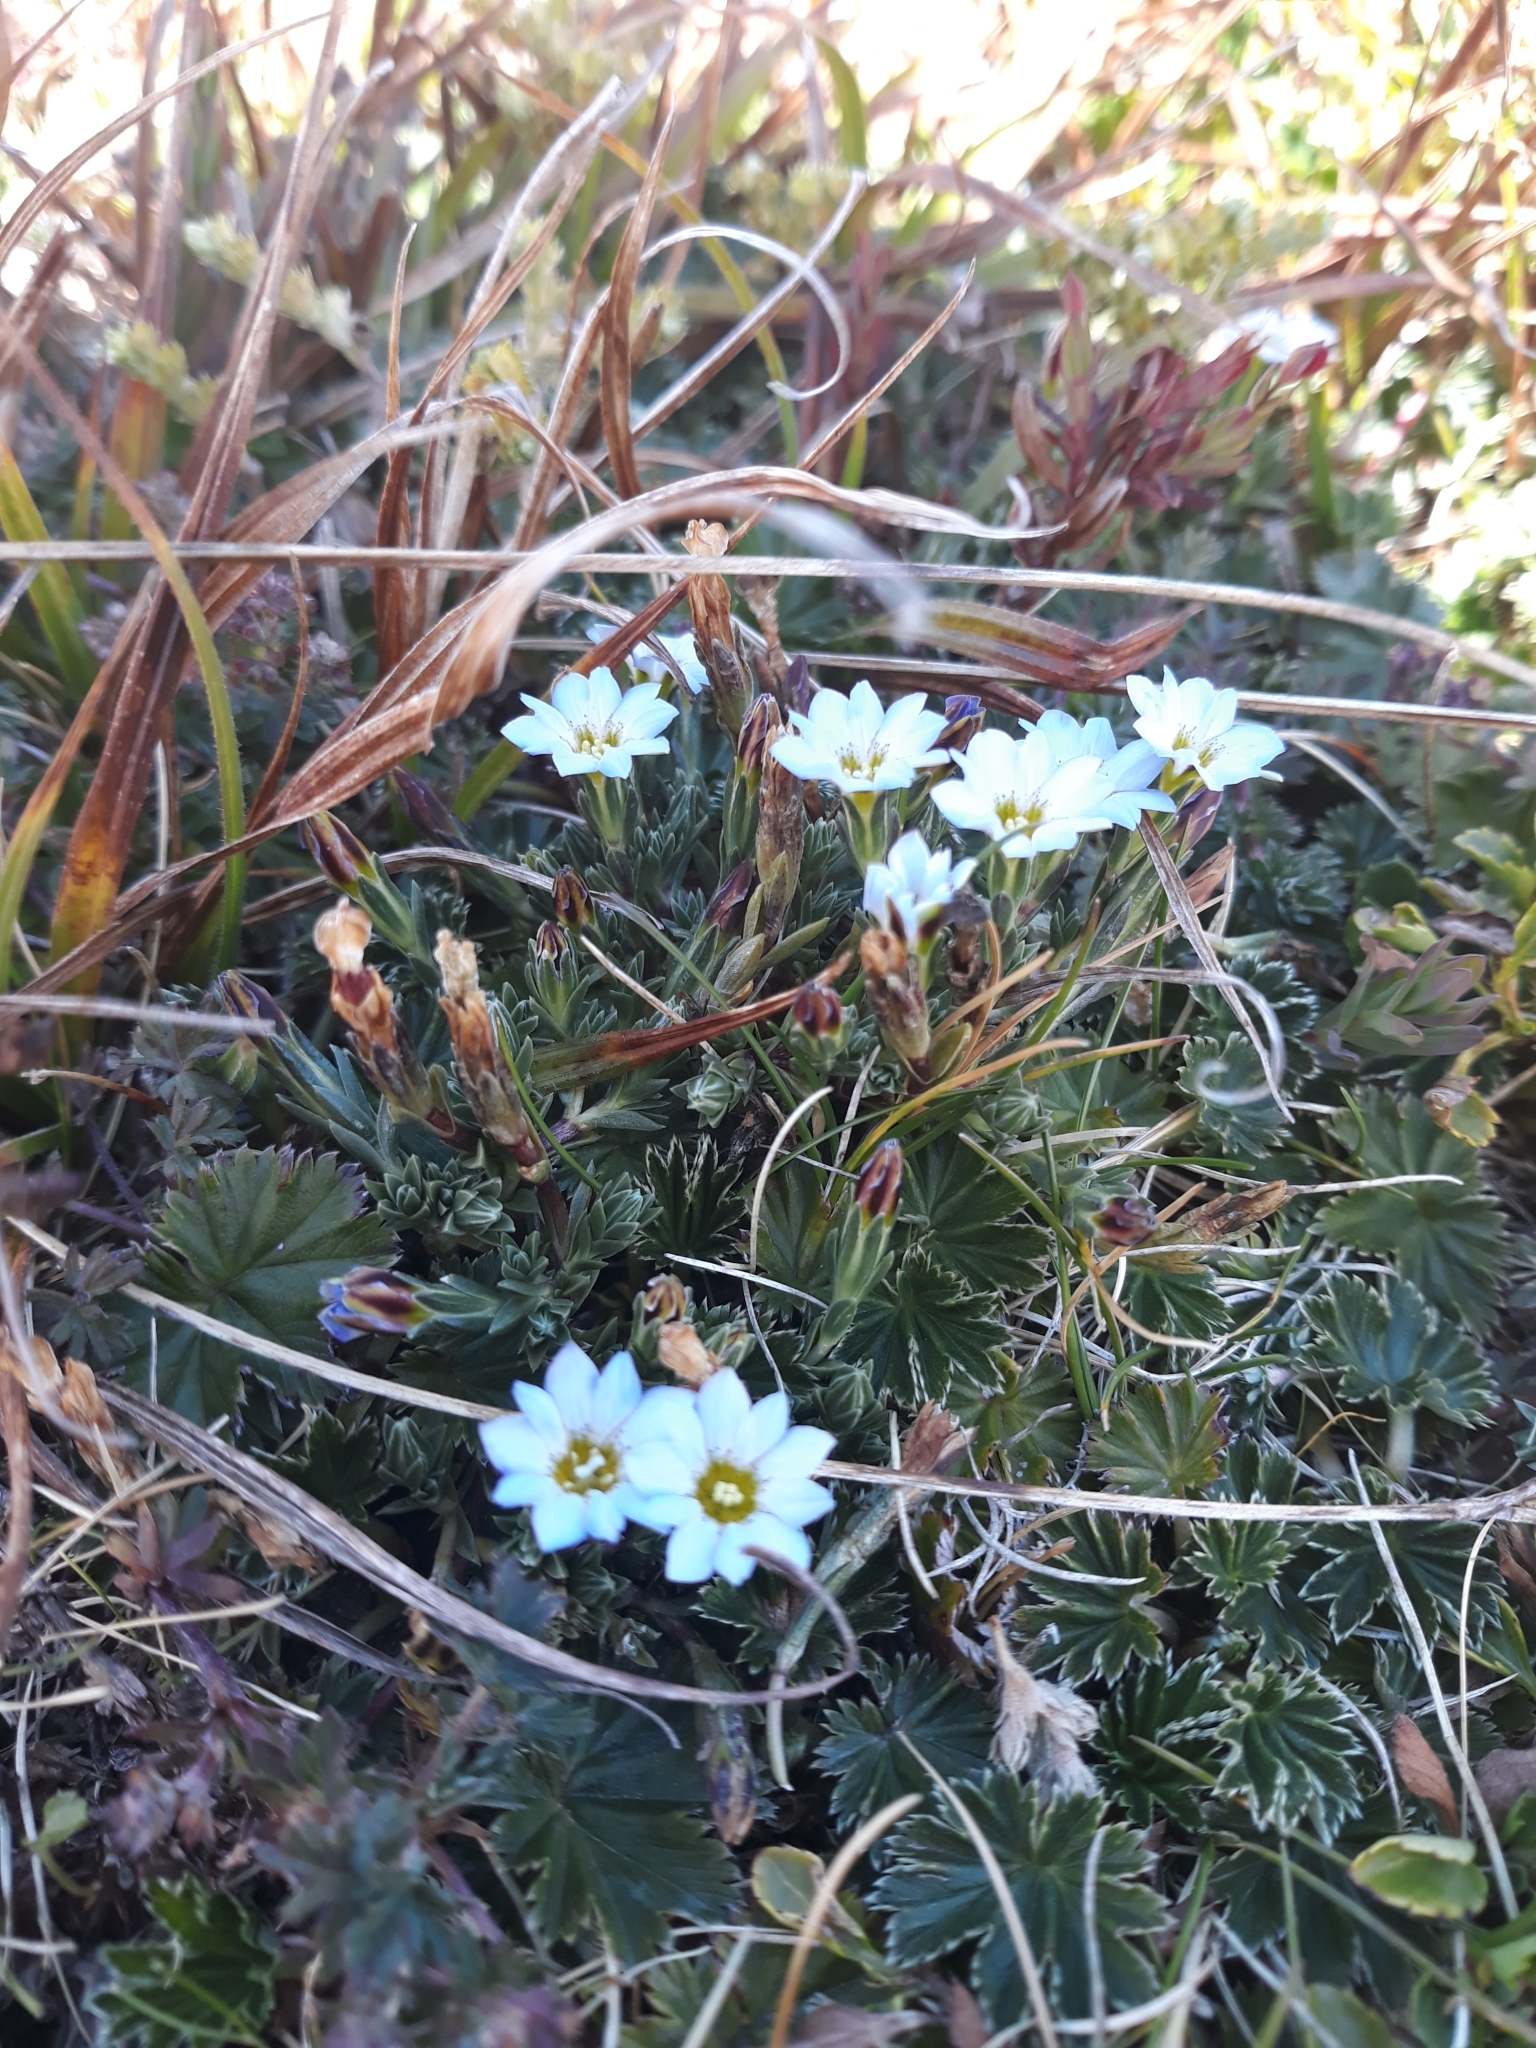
(1290, 1750)
(1431, 1560)
(250, 1242)
(1445, 1236)
(1432, 1876)
(1214, 1068)
(211, 1982)
(1163, 1440)
(939, 1898)
(922, 1329)
(951, 1724)
(1175, 1709)
(1099, 1628)
(1389, 1345)
(967, 1215)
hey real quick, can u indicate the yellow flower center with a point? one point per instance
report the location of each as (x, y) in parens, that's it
(852, 762)
(586, 1467)
(1184, 737)
(594, 739)
(727, 1493)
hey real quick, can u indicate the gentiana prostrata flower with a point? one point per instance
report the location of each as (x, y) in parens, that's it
(566, 1453)
(1195, 726)
(1023, 797)
(648, 664)
(909, 891)
(854, 743)
(722, 1474)
(592, 727)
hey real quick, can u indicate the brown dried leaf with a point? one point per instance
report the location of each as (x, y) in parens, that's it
(1502, 1776)
(1421, 1770)
(618, 368)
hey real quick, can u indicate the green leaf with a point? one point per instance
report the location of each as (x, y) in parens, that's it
(939, 1898)
(1445, 1236)
(923, 1329)
(1431, 1559)
(1218, 1067)
(249, 1242)
(1343, 2020)
(599, 1821)
(1100, 1628)
(340, 1466)
(950, 1723)
(1390, 1346)
(851, 143)
(1175, 1709)
(1163, 1440)
(212, 1981)
(966, 1214)
(1291, 1750)
(785, 1881)
(1432, 1876)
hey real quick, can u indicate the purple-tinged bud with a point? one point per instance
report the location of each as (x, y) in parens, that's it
(727, 907)
(370, 1301)
(759, 729)
(572, 900)
(666, 1300)
(549, 942)
(795, 690)
(1197, 817)
(818, 1011)
(338, 853)
(962, 722)
(238, 996)
(879, 1185)
(1126, 1220)
(427, 811)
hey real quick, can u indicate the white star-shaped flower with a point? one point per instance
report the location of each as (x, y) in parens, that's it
(566, 1453)
(721, 1473)
(1018, 793)
(1196, 726)
(648, 664)
(909, 891)
(1126, 773)
(857, 744)
(592, 727)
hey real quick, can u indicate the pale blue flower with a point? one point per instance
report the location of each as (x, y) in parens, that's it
(1126, 773)
(566, 1454)
(855, 743)
(720, 1473)
(1195, 726)
(1021, 795)
(909, 891)
(648, 664)
(592, 727)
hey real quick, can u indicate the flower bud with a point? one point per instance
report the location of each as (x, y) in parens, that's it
(549, 943)
(1125, 1220)
(361, 999)
(572, 901)
(238, 996)
(370, 1301)
(760, 728)
(336, 851)
(1197, 817)
(714, 631)
(729, 902)
(818, 1011)
(485, 1073)
(666, 1300)
(962, 722)
(795, 690)
(899, 1005)
(427, 811)
(879, 1185)
(780, 838)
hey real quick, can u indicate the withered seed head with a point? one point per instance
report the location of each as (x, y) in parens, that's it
(490, 1088)
(760, 728)
(341, 937)
(666, 1299)
(899, 1005)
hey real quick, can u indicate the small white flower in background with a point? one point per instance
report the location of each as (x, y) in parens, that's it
(566, 1453)
(857, 744)
(592, 727)
(1127, 774)
(911, 888)
(648, 664)
(1018, 793)
(1276, 332)
(1196, 726)
(721, 1472)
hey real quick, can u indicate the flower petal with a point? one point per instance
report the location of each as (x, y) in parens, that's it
(616, 1395)
(570, 1380)
(797, 1453)
(542, 1412)
(512, 1444)
(560, 1519)
(724, 1409)
(691, 1551)
(795, 1501)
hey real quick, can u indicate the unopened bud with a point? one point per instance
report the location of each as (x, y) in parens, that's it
(1126, 1220)
(879, 1185)
(238, 996)
(780, 842)
(818, 1011)
(362, 1000)
(760, 728)
(962, 722)
(795, 690)
(370, 1301)
(1196, 818)
(572, 901)
(549, 942)
(338, 853)
(666, 1300)
(729, 902)
(427, 811)
(899, 1005)
(485, 1073)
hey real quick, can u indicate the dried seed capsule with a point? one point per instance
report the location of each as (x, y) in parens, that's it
(900, 1008)
(760, 728)
(485, 1073)
(780, 836)
(362, 1000)
(729, 902)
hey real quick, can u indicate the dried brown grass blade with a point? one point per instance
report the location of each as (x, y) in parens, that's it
(618, 368)
(327, 1534)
